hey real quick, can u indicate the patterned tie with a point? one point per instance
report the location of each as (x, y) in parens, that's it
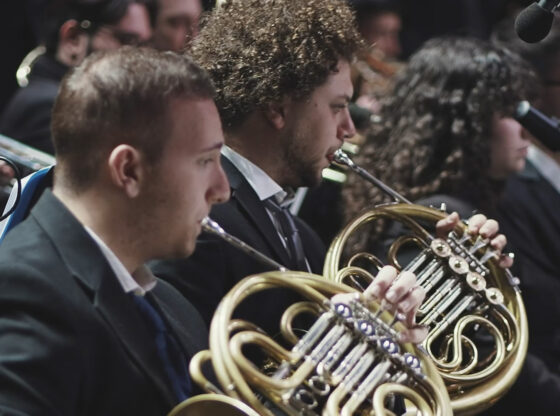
(169, 352)
(291, 234)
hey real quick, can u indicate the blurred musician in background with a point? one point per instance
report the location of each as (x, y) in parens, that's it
(72, 30)
(137, 138)
(530, 218)
(528, 206)
(176, 24)
(379, 23)
(282, 75)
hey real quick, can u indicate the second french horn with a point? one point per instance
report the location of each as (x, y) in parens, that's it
(348, 360)
(478, 331)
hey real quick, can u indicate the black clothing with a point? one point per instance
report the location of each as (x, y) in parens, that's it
(529, 217)
(27, 116)
(216, 266)
(73, 342)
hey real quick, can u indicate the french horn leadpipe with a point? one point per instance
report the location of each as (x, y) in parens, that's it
(466, 291)
(213, 227)
(343, 159)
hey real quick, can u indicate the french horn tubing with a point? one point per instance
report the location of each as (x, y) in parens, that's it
(478, 332)
(350, 359)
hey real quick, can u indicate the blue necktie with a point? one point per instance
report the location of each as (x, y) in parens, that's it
(170, 354)
(290, 232)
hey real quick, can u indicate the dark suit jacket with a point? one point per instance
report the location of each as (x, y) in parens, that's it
(72, 342)
(216, 266)
(528, 215)
(27, 117)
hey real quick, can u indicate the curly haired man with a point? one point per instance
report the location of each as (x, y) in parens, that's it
(282, 75)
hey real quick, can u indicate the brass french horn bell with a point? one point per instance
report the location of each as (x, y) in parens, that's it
(478, 332)
(349, 360)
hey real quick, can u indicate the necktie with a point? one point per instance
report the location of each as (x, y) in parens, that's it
(170, 354)
(291, 234)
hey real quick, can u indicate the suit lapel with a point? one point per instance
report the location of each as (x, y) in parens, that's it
(83, 258)
(121, 314)
(254, 211)
(184, 332)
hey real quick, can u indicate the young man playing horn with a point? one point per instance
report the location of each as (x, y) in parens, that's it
(282, 75)
(137, 138)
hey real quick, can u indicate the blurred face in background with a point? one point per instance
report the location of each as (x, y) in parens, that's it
(76, 41)
(508, 147)
(383, 30)
(176, 24)
(133, 29)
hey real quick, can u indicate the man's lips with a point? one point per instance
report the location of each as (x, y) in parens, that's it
(330, 155)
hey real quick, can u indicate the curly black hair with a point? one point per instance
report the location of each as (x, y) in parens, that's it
(436, 124)
(259, 51)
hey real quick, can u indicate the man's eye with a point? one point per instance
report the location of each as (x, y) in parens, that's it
(340, 107)
(207, 161)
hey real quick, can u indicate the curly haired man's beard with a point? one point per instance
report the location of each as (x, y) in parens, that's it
(301, 169)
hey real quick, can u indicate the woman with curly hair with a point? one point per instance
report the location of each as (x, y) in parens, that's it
(446, 134)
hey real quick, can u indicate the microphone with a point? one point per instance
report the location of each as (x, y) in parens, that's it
(534, 22)
(546, 129)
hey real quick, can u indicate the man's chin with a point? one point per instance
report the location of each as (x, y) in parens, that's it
(180, 252)
(314, 181)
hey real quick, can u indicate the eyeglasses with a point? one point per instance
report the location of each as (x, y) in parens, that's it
(123, 37)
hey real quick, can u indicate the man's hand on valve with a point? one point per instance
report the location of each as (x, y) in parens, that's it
(399, 294)
(478, 224)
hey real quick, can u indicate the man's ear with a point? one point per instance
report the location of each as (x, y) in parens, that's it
(275, 113)
(72, 43)
(127, 169)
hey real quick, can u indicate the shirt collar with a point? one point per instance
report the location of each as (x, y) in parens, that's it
(143, 280)
(264, 186)
(546, 166)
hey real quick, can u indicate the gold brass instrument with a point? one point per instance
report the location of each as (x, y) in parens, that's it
(348, 361)
(478, 332)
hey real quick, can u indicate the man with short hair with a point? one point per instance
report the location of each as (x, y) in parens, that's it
(86, 329)
(176, 24)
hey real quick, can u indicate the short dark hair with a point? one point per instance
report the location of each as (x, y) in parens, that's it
(120, 97)
(259, 51)
(91, 14)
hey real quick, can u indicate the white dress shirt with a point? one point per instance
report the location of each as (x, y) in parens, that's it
(143, 280)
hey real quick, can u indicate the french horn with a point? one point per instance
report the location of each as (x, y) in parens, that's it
(478, 333)
(349, 360)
